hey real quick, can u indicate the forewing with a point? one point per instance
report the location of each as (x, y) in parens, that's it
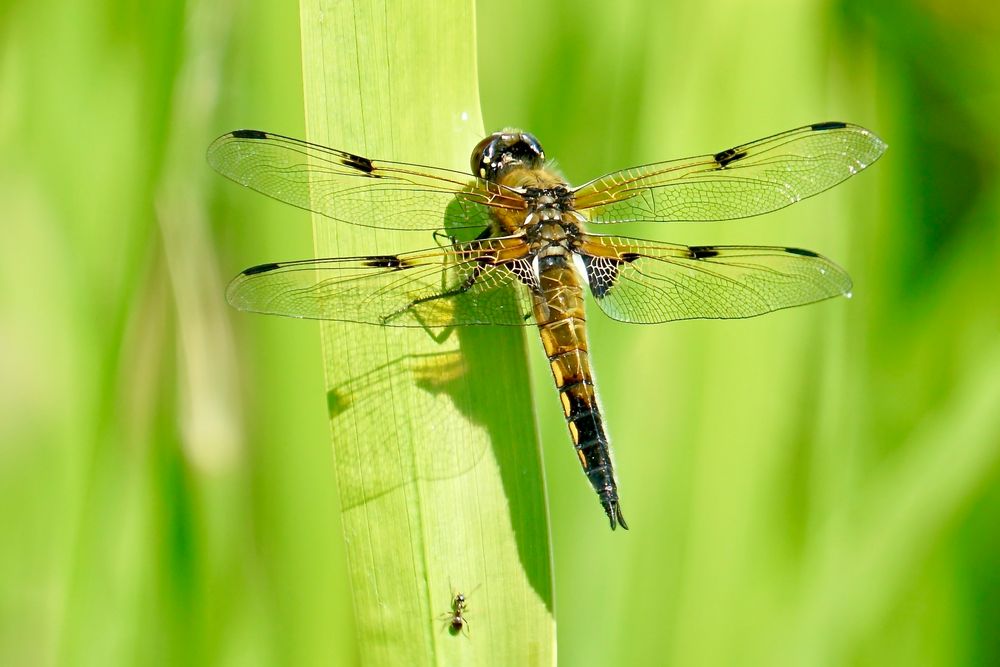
(649, 282)
(355, 189)
(743, 181)
(481, 282)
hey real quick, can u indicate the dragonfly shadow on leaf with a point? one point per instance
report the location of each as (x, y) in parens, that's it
(389, 456)
(469, 380)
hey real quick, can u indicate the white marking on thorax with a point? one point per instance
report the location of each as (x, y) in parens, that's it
(581, 268)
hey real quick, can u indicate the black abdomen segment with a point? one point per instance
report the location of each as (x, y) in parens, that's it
(586, 428)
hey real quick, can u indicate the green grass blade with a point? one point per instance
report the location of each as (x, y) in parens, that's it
(435, 448)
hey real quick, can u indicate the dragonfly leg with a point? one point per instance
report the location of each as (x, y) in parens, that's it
(444, 240)
(461, 289)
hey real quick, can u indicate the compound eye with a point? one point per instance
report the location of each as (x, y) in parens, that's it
(482, 156)
(533, 145)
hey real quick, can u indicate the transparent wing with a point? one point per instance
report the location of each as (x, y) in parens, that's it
(649, 282)
(480, 282)
(739, 182)
(354, 189)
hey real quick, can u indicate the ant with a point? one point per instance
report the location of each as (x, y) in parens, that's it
(455, 619)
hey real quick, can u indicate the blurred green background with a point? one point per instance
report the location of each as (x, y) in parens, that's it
(816, 487)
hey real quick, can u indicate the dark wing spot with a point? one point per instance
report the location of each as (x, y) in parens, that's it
(800, 251)
(357, 162)
(602, 273)
(728, 155)
(249, 134)
(629, 256)
(829, 125)
(703, 252)
(522, 271)
(386, 262)
(260, 268)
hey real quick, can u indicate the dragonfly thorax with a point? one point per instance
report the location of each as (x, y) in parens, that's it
(551, 237)
(552, 231)
(549, 227)
(557, 196)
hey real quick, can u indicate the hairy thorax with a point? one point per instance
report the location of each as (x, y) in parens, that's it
(547, 197)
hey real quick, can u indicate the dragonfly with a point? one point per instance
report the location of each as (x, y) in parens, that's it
(527, 258)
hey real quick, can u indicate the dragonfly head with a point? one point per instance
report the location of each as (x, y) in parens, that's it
(502, 151)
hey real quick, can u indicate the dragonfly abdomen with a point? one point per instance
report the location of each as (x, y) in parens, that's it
(559, 312)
